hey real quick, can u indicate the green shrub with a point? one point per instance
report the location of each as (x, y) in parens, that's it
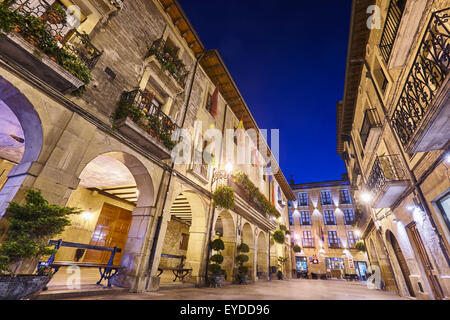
(31, 226)
(215, 269)
(242, 258)
(297, 248)
(224, 197)
(217, 258)
(218, 244)
(279, 236)
(242, 270)
(243, 247)
(360, 245)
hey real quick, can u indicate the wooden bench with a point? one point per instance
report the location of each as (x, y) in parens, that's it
(180, 272)
(351, 277)
(107, 271)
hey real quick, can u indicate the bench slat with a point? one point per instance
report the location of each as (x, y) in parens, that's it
(83, 246)
(82, 264)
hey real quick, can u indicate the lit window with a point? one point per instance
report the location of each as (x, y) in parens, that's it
(326, 198)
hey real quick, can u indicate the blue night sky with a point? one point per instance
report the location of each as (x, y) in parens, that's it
(288, 59)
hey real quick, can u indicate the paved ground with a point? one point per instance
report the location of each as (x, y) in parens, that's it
(273, 290)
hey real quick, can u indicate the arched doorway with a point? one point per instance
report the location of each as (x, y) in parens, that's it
(184, 238)
(225, 227)
(247, 238)
(112, 187)
(21, 140)
(401, 261)
(262, 259)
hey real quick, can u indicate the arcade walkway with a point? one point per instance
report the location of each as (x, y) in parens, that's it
(274, 290)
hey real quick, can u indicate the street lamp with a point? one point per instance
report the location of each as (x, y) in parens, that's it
(366, 197)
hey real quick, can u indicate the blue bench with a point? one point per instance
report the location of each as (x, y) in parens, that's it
(107, 271)
(180, 271)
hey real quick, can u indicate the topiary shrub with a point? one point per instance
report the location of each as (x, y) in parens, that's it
(224, 197)
(242, 258)
(217, 258)
(244, 248)
(279, 236)
(296, 248)
(218, 245)
(32, 224)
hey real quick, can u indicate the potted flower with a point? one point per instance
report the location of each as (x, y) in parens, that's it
(242, 271)
(31, 225)
(216, 274)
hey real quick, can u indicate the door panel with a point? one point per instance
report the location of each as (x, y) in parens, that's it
(111, 230)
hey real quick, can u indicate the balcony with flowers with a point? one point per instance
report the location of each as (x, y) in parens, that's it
(40, 36)
(138, 118)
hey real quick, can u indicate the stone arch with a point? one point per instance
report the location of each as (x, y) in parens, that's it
(247, 237)
(262, 258)
(400, 261)
(141, 214)
(226, 225)
(31, 125)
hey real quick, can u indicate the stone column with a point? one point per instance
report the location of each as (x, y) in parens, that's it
(229, 255)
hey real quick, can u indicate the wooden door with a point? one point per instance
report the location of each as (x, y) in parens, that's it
(111, 230)
(402, 262)
(425, 260)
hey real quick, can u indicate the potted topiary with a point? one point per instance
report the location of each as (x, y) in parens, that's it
(281, 262)
(31, 226)
(242, 271)
(216, 274)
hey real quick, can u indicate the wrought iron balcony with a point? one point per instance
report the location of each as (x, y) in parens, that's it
(144, 122)
(387, 180)
(421, 115)
(308, 243)
(334, 245)
(168, 58)
(45, 25)
(393, 18)
(370, 129)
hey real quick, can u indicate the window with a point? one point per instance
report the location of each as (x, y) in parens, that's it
(333, 240)
(352, 239)
(305, 218)
(303, 199)
(345, 197)
(444, 206)
(307, 241)
(184, 241)
(328, 217)
(291, 220)
(349, 216)
(209, 103)
(326, 198)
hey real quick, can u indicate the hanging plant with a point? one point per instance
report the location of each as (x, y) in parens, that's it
(360, 245)
(279, 236)
(297, 248)
(224, 197)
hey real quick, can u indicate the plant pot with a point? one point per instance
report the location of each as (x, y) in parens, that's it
(216, 280)
(242, 278)
(21, 286)
(280, 275)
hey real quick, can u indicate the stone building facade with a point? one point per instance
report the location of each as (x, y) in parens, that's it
(322, 224)
(80, 144)
(393, 134)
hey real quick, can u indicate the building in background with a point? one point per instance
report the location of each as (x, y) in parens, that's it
(393, 133)
(323, 223)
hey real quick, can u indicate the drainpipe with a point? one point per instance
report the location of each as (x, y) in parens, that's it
(214, 208)
(160, 217)
(416, 186)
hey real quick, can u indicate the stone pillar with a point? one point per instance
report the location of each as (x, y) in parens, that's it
(229, 255)
(195, 255)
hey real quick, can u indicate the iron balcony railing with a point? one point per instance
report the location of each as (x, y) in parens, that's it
(428, 72)
(308, 243)
(335, 244)
(244, 194)
(168, 57)
(61, 26)
(143, 101)
(371, 120)
(305, 222)
(393, 18)
(385, 169)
